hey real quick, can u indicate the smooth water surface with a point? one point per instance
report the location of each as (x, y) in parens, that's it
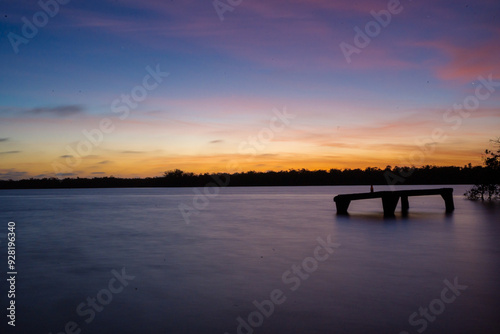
(245, 245)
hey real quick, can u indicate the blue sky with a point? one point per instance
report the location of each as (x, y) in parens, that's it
(226, 78)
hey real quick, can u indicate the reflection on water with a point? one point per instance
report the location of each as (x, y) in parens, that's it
(244, 245)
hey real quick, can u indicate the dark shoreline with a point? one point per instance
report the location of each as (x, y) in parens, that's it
(428, 175)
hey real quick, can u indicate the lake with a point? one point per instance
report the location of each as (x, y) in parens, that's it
(248, 260)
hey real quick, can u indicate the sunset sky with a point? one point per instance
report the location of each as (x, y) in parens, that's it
(256, 85)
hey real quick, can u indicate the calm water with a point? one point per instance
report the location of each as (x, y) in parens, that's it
(246, 245)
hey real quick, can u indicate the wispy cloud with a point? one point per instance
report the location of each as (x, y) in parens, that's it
(59, 111)
(10, 152)
(132, 152)
(463, 63)
(67, 174)
(12, 174)
(3, 139)
(468, 63)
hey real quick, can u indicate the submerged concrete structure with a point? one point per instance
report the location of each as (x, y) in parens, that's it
(390, 199)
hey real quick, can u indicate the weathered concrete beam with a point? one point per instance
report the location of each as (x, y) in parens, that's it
(390, 199)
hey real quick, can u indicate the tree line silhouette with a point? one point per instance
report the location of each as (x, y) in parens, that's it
(302, 177)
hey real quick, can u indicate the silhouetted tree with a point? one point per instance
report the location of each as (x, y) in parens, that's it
(489, 183)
